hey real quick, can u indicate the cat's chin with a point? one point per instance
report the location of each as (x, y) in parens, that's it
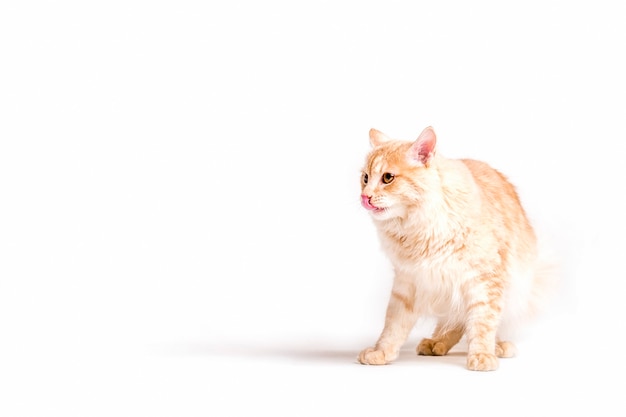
(382, 214)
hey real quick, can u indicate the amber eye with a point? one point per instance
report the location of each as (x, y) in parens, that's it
(387, 177)
(365, 178)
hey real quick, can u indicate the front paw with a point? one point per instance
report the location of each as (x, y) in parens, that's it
(371, 356)
(482, 362)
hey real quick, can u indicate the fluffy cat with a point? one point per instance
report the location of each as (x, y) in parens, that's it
(461, 246)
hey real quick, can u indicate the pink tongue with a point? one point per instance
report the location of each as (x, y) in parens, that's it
(365, 202)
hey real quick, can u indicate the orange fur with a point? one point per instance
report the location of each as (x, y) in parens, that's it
(462, 248)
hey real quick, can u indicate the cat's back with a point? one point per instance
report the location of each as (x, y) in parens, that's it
(499, 197)
(492, 183)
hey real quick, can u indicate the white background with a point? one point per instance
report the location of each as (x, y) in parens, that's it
(180, 228)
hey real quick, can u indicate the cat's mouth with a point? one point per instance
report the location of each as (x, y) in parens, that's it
(367, 203)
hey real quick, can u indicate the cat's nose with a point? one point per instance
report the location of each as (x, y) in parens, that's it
(365, 202)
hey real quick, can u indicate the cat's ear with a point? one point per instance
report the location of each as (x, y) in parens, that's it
(423, 149)
(377, 137)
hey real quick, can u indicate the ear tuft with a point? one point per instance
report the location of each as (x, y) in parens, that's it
(377, 137)
(423, 149)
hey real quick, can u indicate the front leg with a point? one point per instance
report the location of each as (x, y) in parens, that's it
(484, 312)
(399, 321)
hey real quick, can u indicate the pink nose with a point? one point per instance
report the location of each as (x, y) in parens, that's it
(365, 202)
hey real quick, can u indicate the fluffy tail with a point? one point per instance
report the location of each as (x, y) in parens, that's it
(546, 282)
(531, 296)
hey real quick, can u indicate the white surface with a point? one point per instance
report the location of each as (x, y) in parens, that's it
(180, 229)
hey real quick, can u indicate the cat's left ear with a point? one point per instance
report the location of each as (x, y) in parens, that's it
(377, 138)
(423, 149)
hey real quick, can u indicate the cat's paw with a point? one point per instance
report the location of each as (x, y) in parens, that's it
(430, 347)
(482, 361)
(505, 350)
(371, 356)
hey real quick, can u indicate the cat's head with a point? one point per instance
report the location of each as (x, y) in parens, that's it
(396, 174)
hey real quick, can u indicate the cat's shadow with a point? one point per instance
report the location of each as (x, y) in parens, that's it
(304, 354)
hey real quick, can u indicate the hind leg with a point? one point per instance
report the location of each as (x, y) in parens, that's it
(444, 338)
(505, 349)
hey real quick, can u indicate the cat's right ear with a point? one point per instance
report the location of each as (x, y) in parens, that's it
(377, 137)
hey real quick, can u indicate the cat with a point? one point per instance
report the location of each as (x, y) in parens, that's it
(462, 248)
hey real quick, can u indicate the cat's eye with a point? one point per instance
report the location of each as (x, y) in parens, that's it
(388, 177)
(365, 178)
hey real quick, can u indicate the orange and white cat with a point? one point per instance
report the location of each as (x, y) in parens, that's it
(462, 249)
